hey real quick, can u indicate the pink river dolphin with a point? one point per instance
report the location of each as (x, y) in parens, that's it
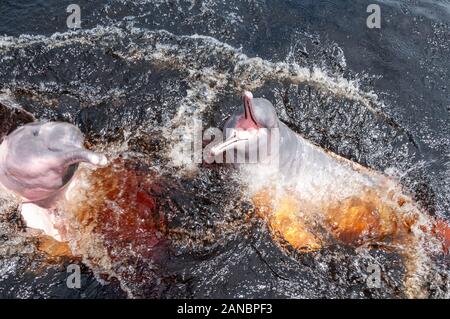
(348, 197)
(38, 162)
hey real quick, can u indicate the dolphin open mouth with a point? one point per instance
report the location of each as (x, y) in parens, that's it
(243, 127)
(248, 121)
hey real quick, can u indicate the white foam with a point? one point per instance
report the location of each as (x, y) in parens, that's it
(252, 73)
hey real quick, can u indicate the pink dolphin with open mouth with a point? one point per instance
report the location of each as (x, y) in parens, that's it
(354, 202)
(250, 129)
(37, 163)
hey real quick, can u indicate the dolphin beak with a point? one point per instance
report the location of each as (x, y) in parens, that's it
(229, 143)
(247, 124)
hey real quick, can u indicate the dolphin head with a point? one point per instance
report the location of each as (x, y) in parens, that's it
(38, 159)
(249, 128)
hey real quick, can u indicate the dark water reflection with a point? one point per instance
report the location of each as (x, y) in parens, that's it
(111, 85)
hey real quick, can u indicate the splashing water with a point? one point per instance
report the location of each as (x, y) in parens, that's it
(136, 92)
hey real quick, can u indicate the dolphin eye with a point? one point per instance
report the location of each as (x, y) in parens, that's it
(35, 133)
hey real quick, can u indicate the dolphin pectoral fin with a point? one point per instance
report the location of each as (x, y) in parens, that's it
(228, 144)
(294, 232)
(283, 215)
(82, 155)
(286, 223)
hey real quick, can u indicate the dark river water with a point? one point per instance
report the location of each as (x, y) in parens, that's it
(138, 72)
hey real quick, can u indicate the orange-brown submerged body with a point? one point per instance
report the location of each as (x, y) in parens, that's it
(122, 204)
(442, 231)
(52, 247)
(115, 222)
(355, 220)
(286, 219)
(109, 212)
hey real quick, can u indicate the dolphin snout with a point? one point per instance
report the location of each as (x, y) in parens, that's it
(226, 145)
(239, 138)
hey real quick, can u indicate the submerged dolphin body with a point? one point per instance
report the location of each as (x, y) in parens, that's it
(356, 204)
(37, 163)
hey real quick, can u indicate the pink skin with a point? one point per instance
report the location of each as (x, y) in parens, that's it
(37, 163)
(245, 127)
(320, 174)
(295, 157)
